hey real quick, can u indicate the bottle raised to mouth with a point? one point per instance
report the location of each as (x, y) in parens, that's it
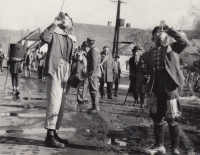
(162, 24)
(61, 16)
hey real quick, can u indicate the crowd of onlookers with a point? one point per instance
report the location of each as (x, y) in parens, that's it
(34, 62)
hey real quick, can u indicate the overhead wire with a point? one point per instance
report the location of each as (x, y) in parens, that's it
(94, 12)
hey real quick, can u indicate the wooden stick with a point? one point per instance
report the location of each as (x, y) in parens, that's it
(7, 66)
(62, 5)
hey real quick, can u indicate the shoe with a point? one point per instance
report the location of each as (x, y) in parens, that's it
(113, 142)
(85, 101)
(174, 151)
(64, 141)
(81, 102)
(116, 95)
(93, 111)
(17, 93)
(51, 141)
(159, 150)
(135, 103)
(14, 91)
(110, 97)
(141, 105)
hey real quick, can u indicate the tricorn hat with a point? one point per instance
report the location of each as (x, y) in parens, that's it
(135, 49)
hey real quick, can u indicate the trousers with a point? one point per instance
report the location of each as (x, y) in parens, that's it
(94, 92)
(82, 91)
(57, 89)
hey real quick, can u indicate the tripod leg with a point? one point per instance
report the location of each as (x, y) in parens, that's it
(6, 81)
(126, 98)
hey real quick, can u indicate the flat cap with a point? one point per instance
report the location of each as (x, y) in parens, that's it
(90, 39)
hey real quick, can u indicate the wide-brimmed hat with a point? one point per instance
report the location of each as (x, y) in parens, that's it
(135, 49)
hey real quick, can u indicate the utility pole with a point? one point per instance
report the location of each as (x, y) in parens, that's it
(117, 28)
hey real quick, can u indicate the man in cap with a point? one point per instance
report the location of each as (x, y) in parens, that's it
(164, 79)
(116, 73)
(57, 65)
(94, 73)
(107, 74)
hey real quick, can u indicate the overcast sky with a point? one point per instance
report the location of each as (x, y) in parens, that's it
(31, 14)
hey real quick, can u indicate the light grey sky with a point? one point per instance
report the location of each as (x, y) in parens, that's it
(31, 14)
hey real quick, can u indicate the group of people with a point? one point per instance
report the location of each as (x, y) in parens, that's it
(31, 61)
(111, 72)
(158, 70)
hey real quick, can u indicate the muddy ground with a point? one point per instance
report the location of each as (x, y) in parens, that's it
(118, 129)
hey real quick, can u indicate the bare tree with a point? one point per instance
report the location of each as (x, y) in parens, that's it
(182, 22)
(142, 38)
(195, 10)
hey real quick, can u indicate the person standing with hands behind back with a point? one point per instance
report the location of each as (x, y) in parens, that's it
(94, 73)
(57, 66)
(164, 79)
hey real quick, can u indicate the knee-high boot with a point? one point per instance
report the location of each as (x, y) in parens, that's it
(159, 138)
(174, 135)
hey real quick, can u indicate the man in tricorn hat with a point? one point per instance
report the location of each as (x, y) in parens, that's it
(116, 73)
(94, 73)
(57, 65)
(164, 77)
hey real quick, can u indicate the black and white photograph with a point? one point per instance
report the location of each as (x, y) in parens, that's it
(100, 77)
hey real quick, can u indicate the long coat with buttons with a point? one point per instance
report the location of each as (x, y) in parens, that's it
(107, 75)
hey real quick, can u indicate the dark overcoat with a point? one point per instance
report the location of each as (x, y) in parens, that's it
(136, 75)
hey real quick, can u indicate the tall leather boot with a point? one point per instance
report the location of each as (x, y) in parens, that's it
(159, 137)
(51, 141)
(174, 135)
